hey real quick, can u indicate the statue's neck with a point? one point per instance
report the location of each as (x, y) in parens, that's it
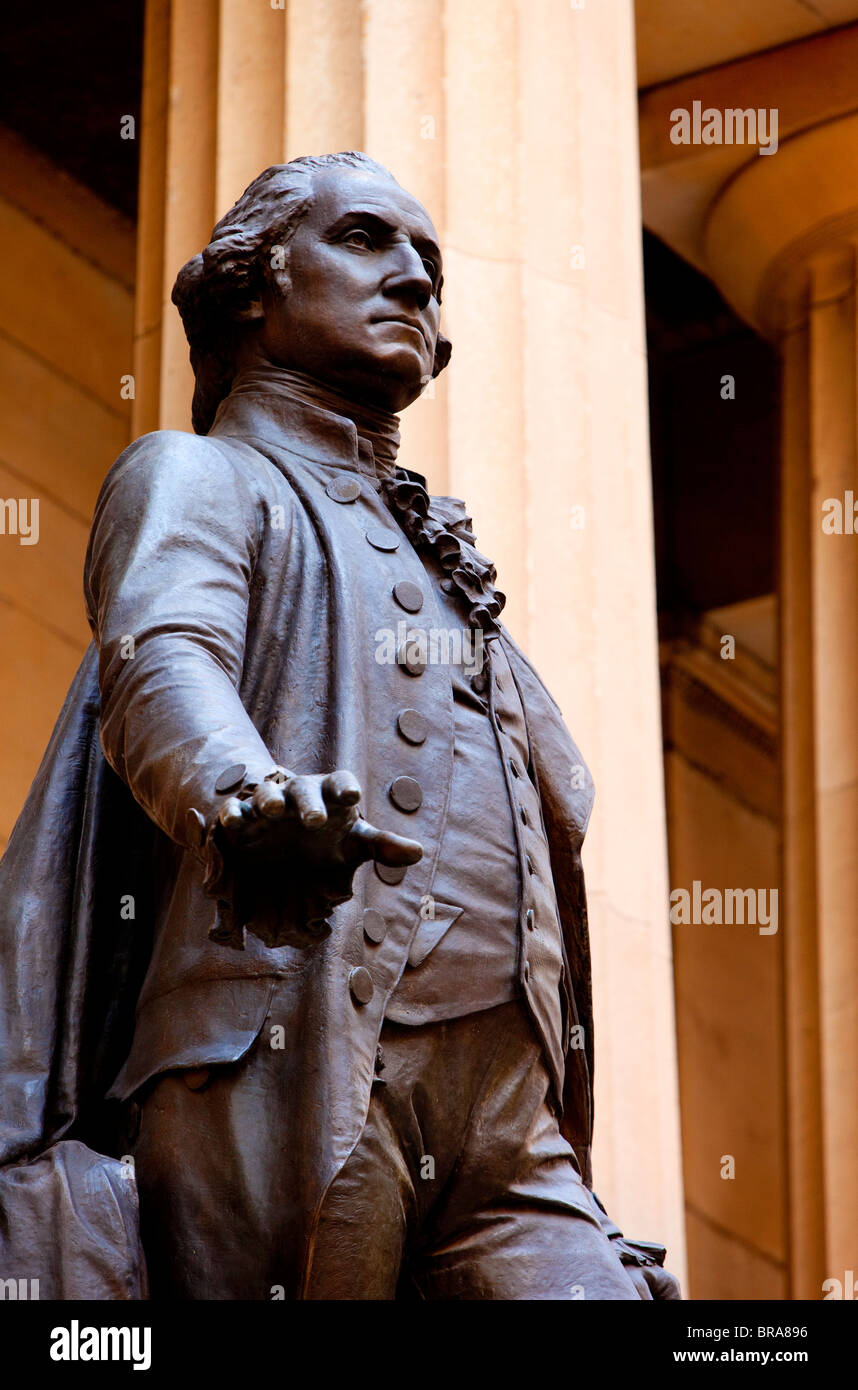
(380, 428)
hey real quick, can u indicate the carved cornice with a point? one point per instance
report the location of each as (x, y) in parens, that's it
(750, 222)
(770, 221)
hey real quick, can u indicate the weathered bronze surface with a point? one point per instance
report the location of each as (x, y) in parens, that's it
(294, 935)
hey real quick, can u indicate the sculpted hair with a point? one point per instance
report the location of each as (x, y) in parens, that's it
(216, 291)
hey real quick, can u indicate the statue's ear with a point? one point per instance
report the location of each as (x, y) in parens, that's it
(272, 285)
(251, 312)
(443, 351)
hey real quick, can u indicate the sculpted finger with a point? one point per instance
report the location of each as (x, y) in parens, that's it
(384, 847)
(268, 800)
(341, 789)
(304, 795)
(234, 814)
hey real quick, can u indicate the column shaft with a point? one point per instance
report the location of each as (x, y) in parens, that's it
(798, 854)
(834, 597)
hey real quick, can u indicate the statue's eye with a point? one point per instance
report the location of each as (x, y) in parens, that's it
(430, 268)
(359, 236)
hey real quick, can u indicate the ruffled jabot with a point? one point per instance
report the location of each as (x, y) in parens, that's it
(442, 526)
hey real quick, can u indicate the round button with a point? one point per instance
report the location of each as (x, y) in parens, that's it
(382, 538)
(409, 596)
(530, 920)
(388, 874)
(374, 926)
(410, 658)
(230, 778)
(479, 682)
(343, 489)
(406, 794)
(412, 726)
(447, 585)
(361, 986)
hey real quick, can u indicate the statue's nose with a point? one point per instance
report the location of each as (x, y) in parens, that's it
(409, 280)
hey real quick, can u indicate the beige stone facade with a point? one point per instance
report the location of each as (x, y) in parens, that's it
(539, 137)
(66, 325)
(776, 1031)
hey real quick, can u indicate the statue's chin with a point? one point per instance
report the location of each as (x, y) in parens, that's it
(385, 387)
(389, 380)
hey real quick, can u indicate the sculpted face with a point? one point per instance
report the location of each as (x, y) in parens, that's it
(358, 305)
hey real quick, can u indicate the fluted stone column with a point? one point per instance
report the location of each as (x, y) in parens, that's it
(515, 122)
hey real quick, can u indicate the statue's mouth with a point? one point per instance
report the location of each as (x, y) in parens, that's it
(404, 321)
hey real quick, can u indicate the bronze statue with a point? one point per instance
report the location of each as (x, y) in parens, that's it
(335, 981)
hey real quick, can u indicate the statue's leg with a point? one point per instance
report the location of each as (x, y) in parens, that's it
(362, 1231)
(214, 1199)
(461, 1185)
(515, 1220)
(199, 1243)
(522, 1252)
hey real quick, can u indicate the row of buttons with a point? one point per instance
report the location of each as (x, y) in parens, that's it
(405, 792)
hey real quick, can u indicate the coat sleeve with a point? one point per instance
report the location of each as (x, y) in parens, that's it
(167, 581)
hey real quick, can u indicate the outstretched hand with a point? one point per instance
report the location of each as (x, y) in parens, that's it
(315, 816)
(292, 848)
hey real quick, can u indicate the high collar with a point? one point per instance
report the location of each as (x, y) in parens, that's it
(299, 414)
(319, 422)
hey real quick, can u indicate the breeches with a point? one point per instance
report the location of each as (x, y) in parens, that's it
(460, 1187)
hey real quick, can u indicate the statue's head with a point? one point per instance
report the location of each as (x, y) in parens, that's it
(325, 266)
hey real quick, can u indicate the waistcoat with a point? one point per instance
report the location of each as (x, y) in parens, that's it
(491, 912)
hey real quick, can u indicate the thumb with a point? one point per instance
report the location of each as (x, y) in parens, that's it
(384, 846)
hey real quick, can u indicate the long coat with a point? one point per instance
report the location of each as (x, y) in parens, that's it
(234, 603)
